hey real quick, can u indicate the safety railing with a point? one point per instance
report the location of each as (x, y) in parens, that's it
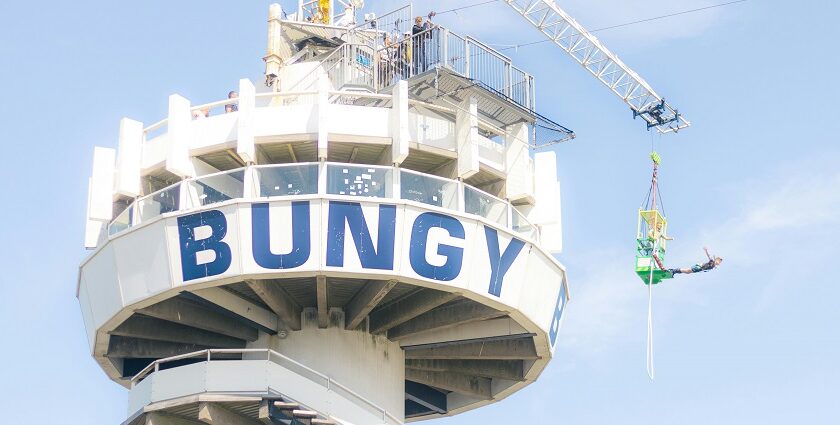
(324, 178)
(271, 356)
(401, 56)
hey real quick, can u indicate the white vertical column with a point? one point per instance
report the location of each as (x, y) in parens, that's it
(245, 122)
(399, 123)
(100, 195)
(273, 62)
(180, 135)
(547, 211)
(129, 158)
(323, 115)
(466, 137)
(520, 178)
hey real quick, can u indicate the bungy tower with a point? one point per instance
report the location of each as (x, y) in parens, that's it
(365, 237)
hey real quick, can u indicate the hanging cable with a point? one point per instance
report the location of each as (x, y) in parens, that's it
(640, 21)
(649, 361)
(466, 7)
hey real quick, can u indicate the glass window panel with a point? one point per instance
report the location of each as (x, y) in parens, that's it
(122, 222)
(352, 180)
(481, 204)
(288, 180)
(521, 225)
(429, 190)
(216, 188)
(158, 203)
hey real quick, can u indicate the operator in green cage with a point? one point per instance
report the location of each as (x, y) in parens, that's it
(713, 262)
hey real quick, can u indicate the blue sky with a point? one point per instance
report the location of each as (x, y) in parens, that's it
(757, 179)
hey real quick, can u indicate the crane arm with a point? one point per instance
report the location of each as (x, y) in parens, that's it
(565, 32)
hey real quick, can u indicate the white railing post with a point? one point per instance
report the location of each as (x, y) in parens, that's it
(508, 80)
(183, 195)
(249, 183)
(462, 199)
(397, 183)
(466, 58)
(445, 49)
(322, 178)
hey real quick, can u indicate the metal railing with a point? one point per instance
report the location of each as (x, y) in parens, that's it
(404, 57)
(323, 178)
(271, 356)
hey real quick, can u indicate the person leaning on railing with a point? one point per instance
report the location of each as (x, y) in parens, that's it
(386, 52)
(403, 57)
(420, 35)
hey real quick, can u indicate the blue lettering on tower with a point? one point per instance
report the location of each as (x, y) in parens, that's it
(190, 247)
(382, 257)
(420, 237)
(500, 264)
(554, 329)
(261, 237)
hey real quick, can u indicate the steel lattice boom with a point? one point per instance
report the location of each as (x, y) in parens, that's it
(585, 48)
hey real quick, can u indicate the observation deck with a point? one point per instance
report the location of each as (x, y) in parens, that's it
(332, 248)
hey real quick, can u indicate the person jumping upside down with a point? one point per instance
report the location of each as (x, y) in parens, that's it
(697, 268)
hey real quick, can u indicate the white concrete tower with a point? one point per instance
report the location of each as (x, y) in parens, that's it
(367, 239)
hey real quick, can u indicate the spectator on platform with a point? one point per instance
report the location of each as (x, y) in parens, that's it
(386, 61)
(420, 34)
(403, 58)
(232, 107)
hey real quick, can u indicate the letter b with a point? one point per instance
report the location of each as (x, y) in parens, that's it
(190, 246)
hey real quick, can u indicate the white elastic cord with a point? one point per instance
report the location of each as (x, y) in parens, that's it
(650, 370)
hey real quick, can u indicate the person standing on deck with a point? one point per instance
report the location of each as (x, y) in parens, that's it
(420, 35)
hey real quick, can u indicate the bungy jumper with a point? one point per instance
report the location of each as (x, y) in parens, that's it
(651, 242)
(652, 238)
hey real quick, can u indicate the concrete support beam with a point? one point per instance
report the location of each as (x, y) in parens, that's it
(473, 386)
(466, 137)
(407, 308)
(245, 121)
(274, 57)
(121, 347)
(190, 314)
(278, 301)
(216, 414)
(145, 327)
(239, 306)
(180, 131)
(366, 300)
(323, 115)
(129, 157)
(445, 317)
(399, 123)
(520, 178)
(100, 195)
(155, 418)
(321, 297)
(505, 349)
(513, 370)
(547, 211)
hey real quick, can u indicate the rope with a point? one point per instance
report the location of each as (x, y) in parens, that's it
(649, 361)
(469, 6)
(517, 46)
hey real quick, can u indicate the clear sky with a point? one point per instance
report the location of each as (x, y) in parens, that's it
(757, 179)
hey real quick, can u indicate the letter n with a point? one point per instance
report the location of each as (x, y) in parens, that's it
(349, 214)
